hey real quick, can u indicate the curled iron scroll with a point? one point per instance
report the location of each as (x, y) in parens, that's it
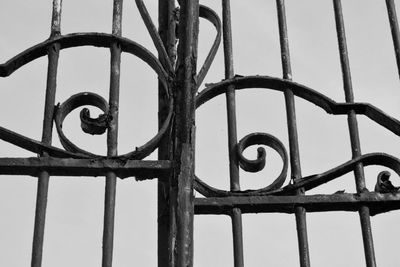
(99, 125)
(312, 181)
(320, 100)
(89, 125)
(251, 166)
(259, 163)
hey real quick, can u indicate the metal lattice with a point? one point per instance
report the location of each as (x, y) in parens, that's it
(179, 96)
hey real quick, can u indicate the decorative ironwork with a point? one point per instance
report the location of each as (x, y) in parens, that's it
(252, 166)
(179, 96)
(72, 160)
(291, 198)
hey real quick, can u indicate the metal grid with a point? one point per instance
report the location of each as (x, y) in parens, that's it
(292, 198)
(72, 160)
(179, 96)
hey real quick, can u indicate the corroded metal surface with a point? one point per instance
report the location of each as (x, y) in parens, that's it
(180, 93)
(52, 52)
(378, 203)
(166, 224)
(141, 169)
(184, 132)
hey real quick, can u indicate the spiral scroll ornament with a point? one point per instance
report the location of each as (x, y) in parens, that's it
(89, 125)
(259, 163)
(99, 125)
(255, 165)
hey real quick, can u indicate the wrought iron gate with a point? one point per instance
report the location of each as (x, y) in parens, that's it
(180, 93)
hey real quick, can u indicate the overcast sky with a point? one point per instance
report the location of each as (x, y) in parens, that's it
(75, 208)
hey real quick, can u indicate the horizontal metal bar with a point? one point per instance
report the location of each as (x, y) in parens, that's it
(142, 170)
(378, 203)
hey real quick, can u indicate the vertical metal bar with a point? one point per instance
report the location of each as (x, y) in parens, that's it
(354, 135)
(236, 215)
(237, 232)
(184, 131)
(394, 26)
(43, 177)
(302, 236)
(300, 212)
(230, 96)
(166, 23)
(112, 138)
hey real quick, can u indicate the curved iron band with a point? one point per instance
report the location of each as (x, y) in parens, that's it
(251, 165)
(309, 182)
(210, 15)
(35, 146)
(322, 101)
(84, 39)
(312, 181)
(327, 104)
(209, 191)
(205, 13)
(74, 102)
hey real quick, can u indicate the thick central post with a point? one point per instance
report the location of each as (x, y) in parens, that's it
(184, 133)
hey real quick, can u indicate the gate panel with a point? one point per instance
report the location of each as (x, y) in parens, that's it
(181, 91)
(292, 198)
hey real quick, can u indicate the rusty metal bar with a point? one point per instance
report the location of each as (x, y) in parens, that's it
(364, 212)
(112, 137)
(155, 36)
(394, 26)
(300, 212)
(184, 133)
(141, 169)
(236, 215)
(378, 203)
(166, 21)
(43, 182)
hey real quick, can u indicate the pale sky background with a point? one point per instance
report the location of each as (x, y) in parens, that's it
(75, 208)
